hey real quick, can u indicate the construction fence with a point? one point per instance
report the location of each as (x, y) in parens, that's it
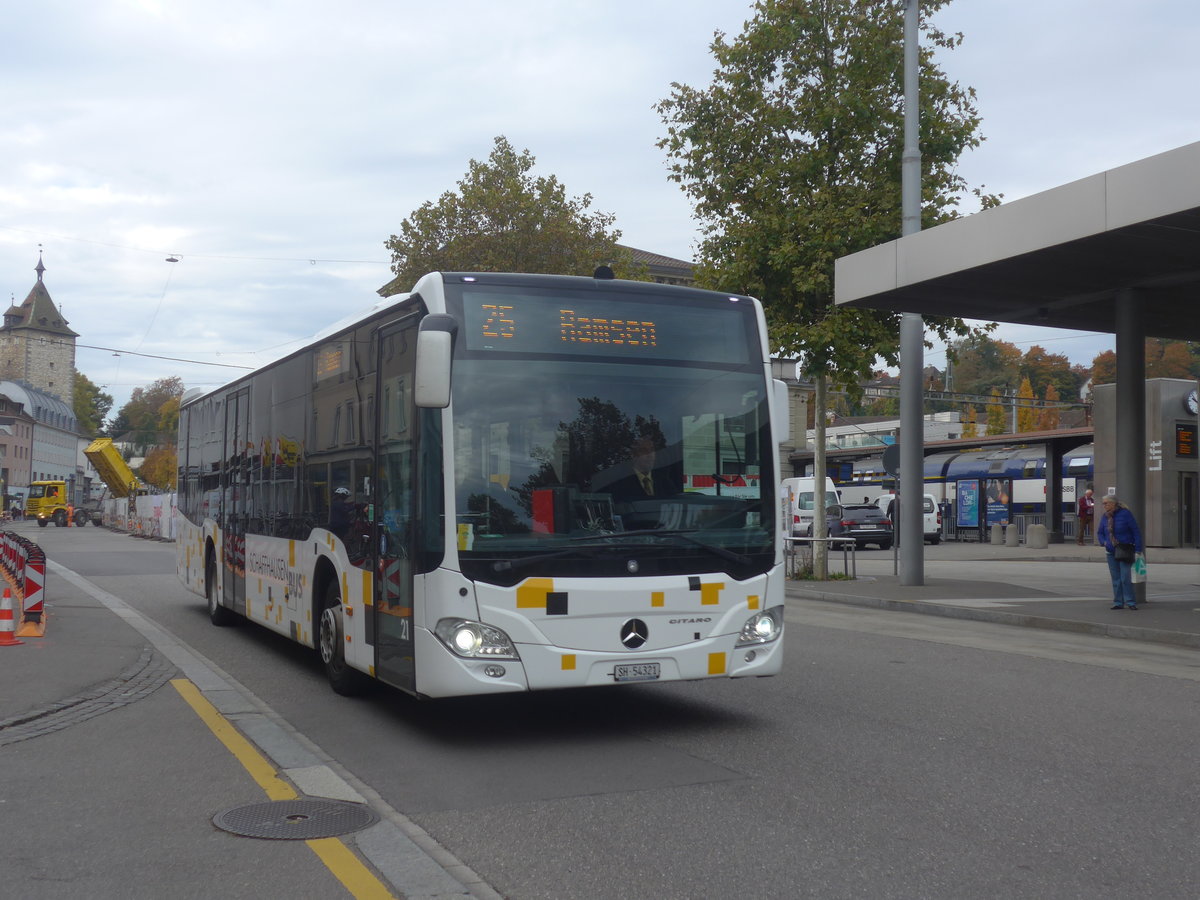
(149, 516)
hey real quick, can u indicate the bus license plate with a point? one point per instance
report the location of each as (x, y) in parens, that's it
(636, 672)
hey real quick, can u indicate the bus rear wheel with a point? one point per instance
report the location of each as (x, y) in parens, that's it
(331, 643)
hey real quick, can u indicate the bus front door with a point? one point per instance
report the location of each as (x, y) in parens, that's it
(395, 431)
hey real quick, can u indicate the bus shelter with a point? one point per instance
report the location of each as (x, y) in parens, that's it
(1117, 252)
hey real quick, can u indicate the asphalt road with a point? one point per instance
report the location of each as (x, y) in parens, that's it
(897, 756)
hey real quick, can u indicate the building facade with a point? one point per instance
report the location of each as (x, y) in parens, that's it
(16, 450)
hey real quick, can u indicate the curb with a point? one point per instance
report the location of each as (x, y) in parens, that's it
(999, 617)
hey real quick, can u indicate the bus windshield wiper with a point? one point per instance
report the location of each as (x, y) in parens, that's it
(509, 565)
(722, 552)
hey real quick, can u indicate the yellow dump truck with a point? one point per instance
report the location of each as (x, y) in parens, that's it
(113, 470)
(49, 502)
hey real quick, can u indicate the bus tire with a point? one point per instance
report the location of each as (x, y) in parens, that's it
(331, 643)
(217, 614)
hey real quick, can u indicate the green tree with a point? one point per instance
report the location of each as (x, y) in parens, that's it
(91, 406)
(151, 416)
(791, 158)
(982, 363)
(502, 219)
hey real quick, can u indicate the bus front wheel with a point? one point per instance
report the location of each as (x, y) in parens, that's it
(331, 642)
(217, 614)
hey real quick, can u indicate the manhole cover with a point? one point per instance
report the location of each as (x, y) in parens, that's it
(295, 820)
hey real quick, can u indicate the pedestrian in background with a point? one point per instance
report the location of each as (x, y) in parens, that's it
(1121, 538)
(1086, 509)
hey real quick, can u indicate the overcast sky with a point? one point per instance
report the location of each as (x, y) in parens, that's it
(272, 147)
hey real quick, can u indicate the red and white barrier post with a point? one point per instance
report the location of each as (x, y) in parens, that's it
(33, 618)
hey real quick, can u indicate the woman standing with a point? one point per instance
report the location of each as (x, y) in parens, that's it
(1118, 527)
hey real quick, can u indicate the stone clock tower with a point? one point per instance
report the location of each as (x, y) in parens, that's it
(36, 345)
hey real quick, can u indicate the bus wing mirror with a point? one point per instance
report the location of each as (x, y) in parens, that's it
(781, 411)
(435, 352)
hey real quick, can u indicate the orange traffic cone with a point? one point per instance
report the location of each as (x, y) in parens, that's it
(6, 621)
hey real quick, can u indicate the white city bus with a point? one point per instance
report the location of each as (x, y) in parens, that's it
(446, 495)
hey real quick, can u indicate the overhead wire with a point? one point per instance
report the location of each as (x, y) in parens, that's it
(311, 260)
(196, 362)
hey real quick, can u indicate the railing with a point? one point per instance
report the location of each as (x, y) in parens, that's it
(951, 531)
(799, 553)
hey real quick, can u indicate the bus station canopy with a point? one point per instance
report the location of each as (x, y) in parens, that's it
(1060, 258)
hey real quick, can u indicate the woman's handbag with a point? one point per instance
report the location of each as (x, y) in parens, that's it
(1137, 572)
(1124, 552)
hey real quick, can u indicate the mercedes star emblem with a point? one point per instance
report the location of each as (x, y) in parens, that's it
(634, 633)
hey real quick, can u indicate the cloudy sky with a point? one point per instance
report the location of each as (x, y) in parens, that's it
(272, 147)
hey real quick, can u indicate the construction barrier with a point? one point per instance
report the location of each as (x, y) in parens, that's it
(33, 619)
(24, 568)
(7, 639)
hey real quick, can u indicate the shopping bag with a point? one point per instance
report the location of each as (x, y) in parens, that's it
(1138, 571)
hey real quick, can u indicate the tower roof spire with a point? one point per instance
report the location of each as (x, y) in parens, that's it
(40, 268)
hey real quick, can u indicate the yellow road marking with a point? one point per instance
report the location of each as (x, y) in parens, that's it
(341, 861)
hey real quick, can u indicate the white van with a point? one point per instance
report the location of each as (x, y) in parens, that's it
(797, 495)
(931, 516)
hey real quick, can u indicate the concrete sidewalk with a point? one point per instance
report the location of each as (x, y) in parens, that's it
(1064, 587)
(111, 759)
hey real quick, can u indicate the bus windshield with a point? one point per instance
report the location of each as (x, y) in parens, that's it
(643, 449)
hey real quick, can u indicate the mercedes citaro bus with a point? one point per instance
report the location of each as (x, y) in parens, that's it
(501, 482)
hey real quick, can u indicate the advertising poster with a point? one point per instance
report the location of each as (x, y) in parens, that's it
(998, 495)
(968, 503)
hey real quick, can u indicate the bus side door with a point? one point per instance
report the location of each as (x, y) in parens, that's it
(395, 502)
(234, 511)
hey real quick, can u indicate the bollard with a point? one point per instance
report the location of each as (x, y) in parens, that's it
(1036, 537)
(997, 533)
(1011, 538)
(7, 638)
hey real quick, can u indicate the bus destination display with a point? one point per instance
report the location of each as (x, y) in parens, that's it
(603, 327)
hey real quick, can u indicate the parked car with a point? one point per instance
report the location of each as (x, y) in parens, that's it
(931, 515)
(801, 496)
(865, 522)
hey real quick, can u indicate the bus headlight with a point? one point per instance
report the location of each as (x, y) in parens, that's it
(474, 640)
(762, 627)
